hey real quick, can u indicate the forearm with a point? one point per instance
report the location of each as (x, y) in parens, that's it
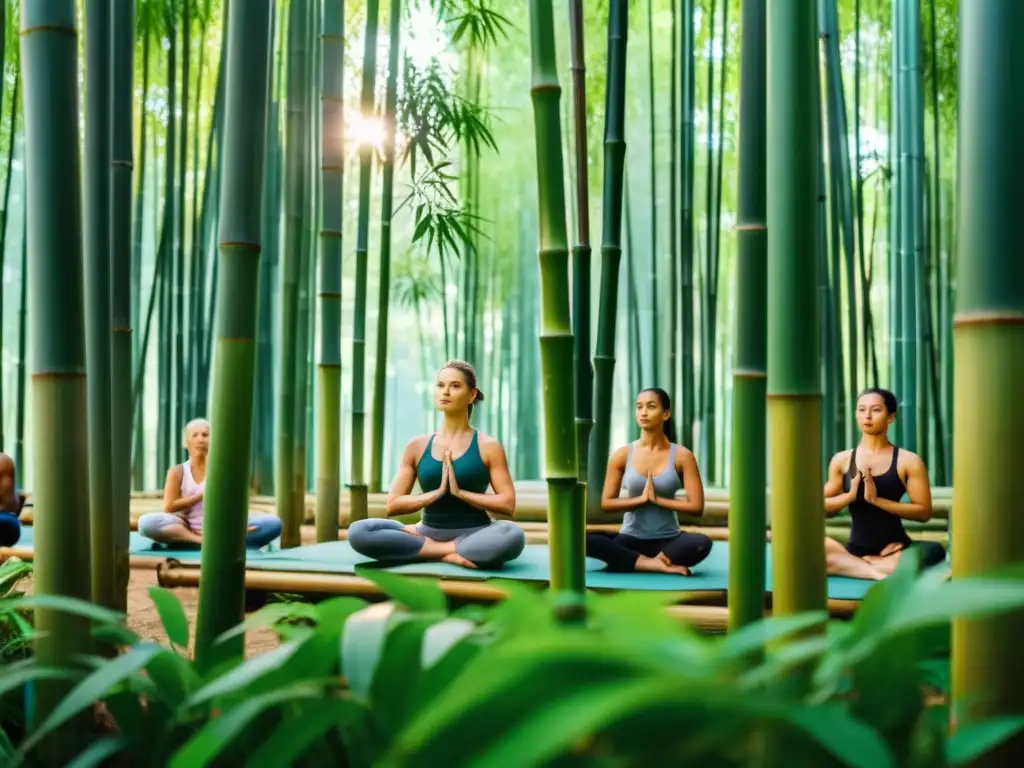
(920, 512)
(181, 504)
(491, 503)
(620, 504)
(836, 504)
(409, 503)
(686, 507)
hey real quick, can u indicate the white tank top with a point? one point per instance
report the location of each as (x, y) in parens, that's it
(189, 487)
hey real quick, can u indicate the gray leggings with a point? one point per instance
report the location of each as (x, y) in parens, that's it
(485, 545)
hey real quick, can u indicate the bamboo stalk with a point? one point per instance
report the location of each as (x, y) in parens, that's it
(611, 249)
(987, 667)
(556, 339)
(794, 383)
(122, 67)
(687, 150)
(747, 483)
(328, 453)
(227, 486)
(357, 483)
(49, 61)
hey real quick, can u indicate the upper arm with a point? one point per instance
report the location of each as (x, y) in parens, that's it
(918, 486)
(497, 466)
(613, 475)
(405, 477)
(686, 467)
(834, 483)
(172, 485)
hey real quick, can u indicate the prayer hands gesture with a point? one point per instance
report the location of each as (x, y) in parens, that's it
(443, 488)
(650, 495)
(870, 491)
(449, 473)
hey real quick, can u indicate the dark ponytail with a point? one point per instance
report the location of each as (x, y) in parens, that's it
(666, 405)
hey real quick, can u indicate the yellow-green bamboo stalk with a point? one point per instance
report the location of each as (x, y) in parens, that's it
(49, 66)
(247, 93)
(565, 516)
(794, 376)
(328, 450)
(988, 413)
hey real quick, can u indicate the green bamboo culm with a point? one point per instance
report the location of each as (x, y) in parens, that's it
(581, 252)
(565, 517)
(97, 294)
(794, 377)
(747, 484)
(357, 483)
(288, 508)
(234, 363)
(611, 251)
(122, 99)
(49, 67)
(328, 450)
(988, 413)
(384, 277)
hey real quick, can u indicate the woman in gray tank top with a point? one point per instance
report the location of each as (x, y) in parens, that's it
(651, 470)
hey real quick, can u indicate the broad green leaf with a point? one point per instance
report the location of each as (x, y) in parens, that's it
(218, 732)
(98, 752)
(114, 634)
(64, 604)
(243, 675)
(362, 645)
(93, 688)
(269, 616)
(756, 637)
(172, 615)
(935, 600)
(17, 674)
(286, 745)
(969, 742)
(441, 636)
(420, 595)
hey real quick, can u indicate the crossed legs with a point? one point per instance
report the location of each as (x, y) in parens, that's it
(487, 546)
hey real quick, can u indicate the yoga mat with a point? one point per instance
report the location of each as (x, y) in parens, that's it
(139, 545)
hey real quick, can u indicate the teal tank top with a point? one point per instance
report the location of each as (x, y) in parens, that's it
(471, 474)
(651, 521)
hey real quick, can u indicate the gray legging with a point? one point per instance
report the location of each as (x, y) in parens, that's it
(267, 527)
(485, 545)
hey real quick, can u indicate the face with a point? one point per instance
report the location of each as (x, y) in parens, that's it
(649, 413)
(452, 393)
(872, 416)
(198, 442)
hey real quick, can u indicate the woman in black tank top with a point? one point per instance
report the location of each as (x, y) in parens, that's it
(871, 480)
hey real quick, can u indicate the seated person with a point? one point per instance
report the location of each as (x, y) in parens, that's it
(454, 467)
(870, 480)
(11, 503)
(652, 470)
(181, 522)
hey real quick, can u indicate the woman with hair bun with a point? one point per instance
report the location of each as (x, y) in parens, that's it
(652, 469)
(454, 466)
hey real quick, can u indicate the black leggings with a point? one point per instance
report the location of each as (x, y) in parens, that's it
(621, 551)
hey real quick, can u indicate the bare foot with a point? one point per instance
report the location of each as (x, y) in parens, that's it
(456, 559)
(657, 565)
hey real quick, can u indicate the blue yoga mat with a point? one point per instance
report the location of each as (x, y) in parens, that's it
(139, 545)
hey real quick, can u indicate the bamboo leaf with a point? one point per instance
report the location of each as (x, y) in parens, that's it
(287, 745)
(970, 742)
(99, 751)
(243, 675)
(172, 615)
(65, 604)
(269, 616)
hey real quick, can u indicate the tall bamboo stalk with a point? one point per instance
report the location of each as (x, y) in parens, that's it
(565, 517)
(227, 487)
(384, 278)
(97, 295)
(747, 481)
(122, 56)
(357, 484)
(987, 667)
(652, 274)
(794, 382)
(49, 66)
(687, 157)
(611, 248)
(581, 252)
(328, 452)
(288, 509)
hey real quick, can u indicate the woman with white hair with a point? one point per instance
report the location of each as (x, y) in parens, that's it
(181, 522)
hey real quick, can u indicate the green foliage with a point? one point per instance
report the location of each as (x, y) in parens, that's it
(15, 630)
(408, 682)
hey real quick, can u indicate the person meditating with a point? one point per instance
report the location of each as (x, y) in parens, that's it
(454, 466)
(870, 480)
(11, 503)
(181, 522)
(652, 469)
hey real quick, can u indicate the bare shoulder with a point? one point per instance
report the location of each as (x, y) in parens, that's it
(840, 461)
(415, 447)
(684, 455)
(908, 461)
(490, 446)
(618, 457)
(176, 472)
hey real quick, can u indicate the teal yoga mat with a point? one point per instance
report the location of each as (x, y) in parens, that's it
(712, 575)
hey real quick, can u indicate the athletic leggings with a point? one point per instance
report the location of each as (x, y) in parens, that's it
(268, 528)
(10, 529)
(485, 545)
(621, 551)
